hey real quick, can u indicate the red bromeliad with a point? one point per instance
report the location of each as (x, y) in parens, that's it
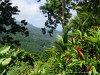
(87, 68)
(67, 58)
(80, 55)
(79, 49)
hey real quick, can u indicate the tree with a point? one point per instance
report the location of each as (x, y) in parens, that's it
(57, 12)
(87, 15)
(9, 25)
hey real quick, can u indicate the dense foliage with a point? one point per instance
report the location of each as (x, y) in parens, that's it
(15, 61)
(77, 52)
(81, 53)
(81, 57)
(8, 24)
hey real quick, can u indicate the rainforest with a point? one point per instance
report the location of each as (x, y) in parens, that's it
(28, 50)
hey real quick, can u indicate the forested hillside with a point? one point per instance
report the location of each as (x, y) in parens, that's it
(76, 51)
(36, 41)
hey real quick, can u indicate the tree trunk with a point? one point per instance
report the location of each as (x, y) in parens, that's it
(63, 15)
(65, 33)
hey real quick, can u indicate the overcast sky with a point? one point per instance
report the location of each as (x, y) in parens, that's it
(30, 12)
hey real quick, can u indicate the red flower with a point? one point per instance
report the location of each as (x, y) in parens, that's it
(78, 48)
(80, 55)
(67, 58)
(87, 68)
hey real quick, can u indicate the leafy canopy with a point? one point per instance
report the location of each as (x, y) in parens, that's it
(8, 24)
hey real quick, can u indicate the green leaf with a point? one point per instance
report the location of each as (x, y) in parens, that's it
(90, 72)
(92, 39)
(61, 65)
(81, 63)
(85, 34)
(6, 61)
(4, 49)
(94, 70)
(78, 8)
(72, 64)
(78, 32)
(74, 60)
(1, 60)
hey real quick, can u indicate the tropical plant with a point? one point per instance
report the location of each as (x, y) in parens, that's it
(81, 53)
(57, 12)
(81, 57)
(15, 61)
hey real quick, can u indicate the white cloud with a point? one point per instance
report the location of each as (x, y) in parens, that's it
(27, 10)
(30, 12)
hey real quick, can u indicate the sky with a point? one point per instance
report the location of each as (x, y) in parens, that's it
(29, 10)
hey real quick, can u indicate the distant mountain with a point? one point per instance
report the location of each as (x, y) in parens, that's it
(36, 41)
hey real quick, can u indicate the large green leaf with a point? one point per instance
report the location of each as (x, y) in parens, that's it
(6, 61)
(4, 49)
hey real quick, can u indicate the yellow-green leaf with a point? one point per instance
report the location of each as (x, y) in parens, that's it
(6, 61)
